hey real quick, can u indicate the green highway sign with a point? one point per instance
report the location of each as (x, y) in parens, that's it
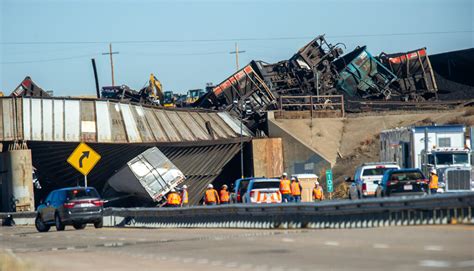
(329, 181)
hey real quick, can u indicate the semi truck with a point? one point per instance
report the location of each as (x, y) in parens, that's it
(443, 148)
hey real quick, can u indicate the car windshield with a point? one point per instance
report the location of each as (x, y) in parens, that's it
(263, 185)
(375, 171)
(451, 158)
(82, 193)
(406, 176)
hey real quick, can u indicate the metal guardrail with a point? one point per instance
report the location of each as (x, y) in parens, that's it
(396, 211)
(437, 209)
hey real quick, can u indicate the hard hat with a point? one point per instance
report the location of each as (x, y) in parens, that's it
(293, 178)
(316, 182)
(185, 186)
(210, 186)
(173, 190)
(224, 186)
(316, 176)
(433, 171)
(285, 174)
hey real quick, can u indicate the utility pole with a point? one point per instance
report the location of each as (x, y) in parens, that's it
(236, 52)
(111, 61)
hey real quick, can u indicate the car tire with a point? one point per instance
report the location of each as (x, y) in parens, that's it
(79, 226)
(59, 224)
(99, 224)
(40, 225)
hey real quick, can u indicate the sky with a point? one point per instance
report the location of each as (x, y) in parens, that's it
(187, 44)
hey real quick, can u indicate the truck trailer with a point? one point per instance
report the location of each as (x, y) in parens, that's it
(442, 148)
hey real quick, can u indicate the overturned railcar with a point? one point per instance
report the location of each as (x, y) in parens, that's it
(362, 75)
(415, 76)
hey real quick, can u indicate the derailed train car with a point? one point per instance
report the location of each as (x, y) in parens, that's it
(415, 76)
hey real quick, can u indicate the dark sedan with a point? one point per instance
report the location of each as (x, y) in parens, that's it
(74, 206)
(403, 182)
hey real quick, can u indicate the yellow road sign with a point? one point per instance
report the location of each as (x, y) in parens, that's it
(83, 158)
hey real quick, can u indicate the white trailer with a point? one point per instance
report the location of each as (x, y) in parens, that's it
(440, 147)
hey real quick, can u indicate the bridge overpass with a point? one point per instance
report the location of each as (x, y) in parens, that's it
(199, 142)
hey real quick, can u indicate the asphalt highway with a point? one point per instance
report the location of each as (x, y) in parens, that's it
(449, 247)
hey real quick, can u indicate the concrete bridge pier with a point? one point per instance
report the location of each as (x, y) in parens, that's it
(17, 179)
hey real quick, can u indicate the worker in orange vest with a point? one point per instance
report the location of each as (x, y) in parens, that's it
(318, 193)
(295, 190)
(173, 199)
(184, 196)
(433, 181)
(211, 197)
(224, 195)
(285, 188)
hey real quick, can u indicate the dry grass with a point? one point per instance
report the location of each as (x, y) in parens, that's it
(469, 112)
(467, 121)
(10, 262)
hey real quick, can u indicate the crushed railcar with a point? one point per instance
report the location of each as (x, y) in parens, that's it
(415, 76)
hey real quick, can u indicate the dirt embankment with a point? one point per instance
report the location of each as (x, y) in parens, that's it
(360, 137)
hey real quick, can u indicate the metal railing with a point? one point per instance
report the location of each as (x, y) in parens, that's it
(394, 211)
(314, 104)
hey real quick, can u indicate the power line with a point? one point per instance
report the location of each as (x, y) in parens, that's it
(47, 60)
(232, 39)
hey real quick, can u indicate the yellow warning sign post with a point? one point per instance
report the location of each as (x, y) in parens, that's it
(83, 159)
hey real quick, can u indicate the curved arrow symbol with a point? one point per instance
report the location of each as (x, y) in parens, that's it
(85, 154)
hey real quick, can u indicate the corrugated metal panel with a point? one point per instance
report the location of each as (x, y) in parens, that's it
(8, 119)
(36, 120)
(48, 120)
(26, 119)
(233, 124)
(219, 132)
(168, 128)
(199, 130)
(180, 126)
(88, 124)
(58, 112)
(130, 125)
(118, 128)
(72, 120)
(52, 119)
(156, 128)
(142, 125)
(104, 133)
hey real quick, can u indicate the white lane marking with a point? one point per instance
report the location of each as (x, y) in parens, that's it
(246, 266)
(38, 236)
(54, 249)
(142, 239)
(122, 239)
(70, 248)
(433, 248)
(102, 237)
(188, 260)
(380, 246)
(261, 267)
(466, 263)
(216, 263)
(435, 263)
(202, 261)
(287, 240)
(231, 265)
(331, 243)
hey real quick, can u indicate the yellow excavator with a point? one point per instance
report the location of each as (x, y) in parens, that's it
(154, 90)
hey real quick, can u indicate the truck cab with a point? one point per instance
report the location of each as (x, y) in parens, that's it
(453, 166)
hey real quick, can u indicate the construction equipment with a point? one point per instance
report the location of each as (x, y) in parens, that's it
(194, 95)
(169, 99)
(154, 90)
